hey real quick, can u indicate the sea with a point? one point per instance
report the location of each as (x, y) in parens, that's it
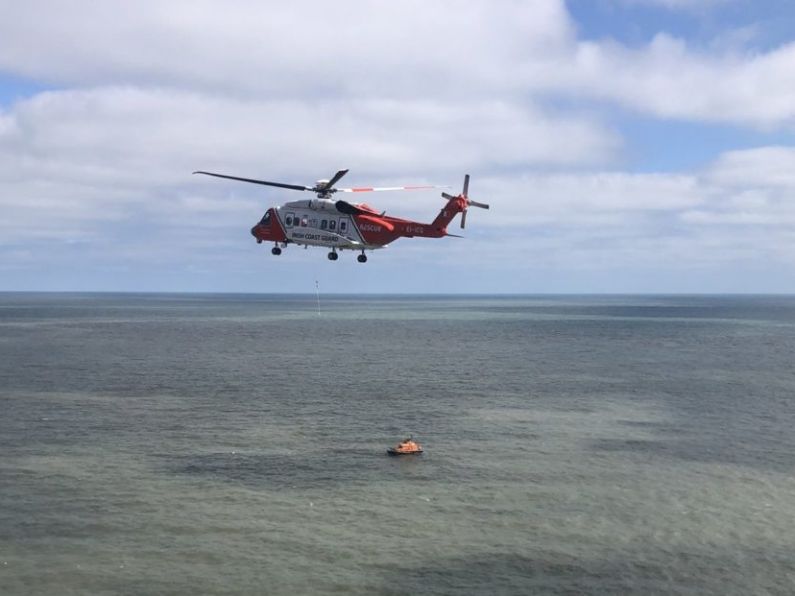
(236, 444)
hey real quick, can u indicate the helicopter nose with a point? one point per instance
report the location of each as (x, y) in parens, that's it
(254, 231)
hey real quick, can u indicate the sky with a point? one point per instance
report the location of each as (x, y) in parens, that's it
(625, 146)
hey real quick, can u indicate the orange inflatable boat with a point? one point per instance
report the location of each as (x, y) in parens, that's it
(405, 447)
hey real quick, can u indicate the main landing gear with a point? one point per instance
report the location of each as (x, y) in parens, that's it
(276, 250)
(333, 256)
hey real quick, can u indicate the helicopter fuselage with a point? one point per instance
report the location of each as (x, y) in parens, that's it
(319, 222)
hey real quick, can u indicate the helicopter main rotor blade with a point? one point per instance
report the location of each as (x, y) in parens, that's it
(380, 188)
(465, 193)
(334, 179)
(253, 181)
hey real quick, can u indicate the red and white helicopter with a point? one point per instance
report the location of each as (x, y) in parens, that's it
(341, 225)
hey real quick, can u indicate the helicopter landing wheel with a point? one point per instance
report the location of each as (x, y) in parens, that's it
(362, 258)
(333, 256)
(276, 251)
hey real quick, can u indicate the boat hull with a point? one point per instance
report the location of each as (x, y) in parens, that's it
(396, 452)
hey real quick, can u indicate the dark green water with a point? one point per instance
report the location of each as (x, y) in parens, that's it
(194, 444)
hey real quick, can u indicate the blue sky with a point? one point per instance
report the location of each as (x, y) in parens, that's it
(763, 24)
(624, 145)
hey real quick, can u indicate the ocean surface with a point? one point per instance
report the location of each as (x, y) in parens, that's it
(235, 444)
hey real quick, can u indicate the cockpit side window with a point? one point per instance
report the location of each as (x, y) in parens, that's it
(266, 219)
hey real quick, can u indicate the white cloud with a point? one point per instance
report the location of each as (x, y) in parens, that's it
(109, 168)
(399, 93)
(768, 167)
(362, 50)
(573, 197)
(670, 80)
(97, 156)
(729, 214)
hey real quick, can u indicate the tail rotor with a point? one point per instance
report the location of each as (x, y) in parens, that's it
(466, 202)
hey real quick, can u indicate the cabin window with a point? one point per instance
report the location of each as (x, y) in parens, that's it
(323, 224)
(288, 220)
(303, 222)
(343, 226)
(332, 224)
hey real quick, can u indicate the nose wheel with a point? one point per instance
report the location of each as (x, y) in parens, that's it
(276, 251)
(362, 258)
(333, 256)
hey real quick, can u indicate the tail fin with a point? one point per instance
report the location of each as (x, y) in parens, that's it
(455, 205)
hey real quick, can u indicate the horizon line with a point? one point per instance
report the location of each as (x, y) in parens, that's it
(348, 294)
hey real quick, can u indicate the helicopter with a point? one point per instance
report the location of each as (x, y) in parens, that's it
(340, 225)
